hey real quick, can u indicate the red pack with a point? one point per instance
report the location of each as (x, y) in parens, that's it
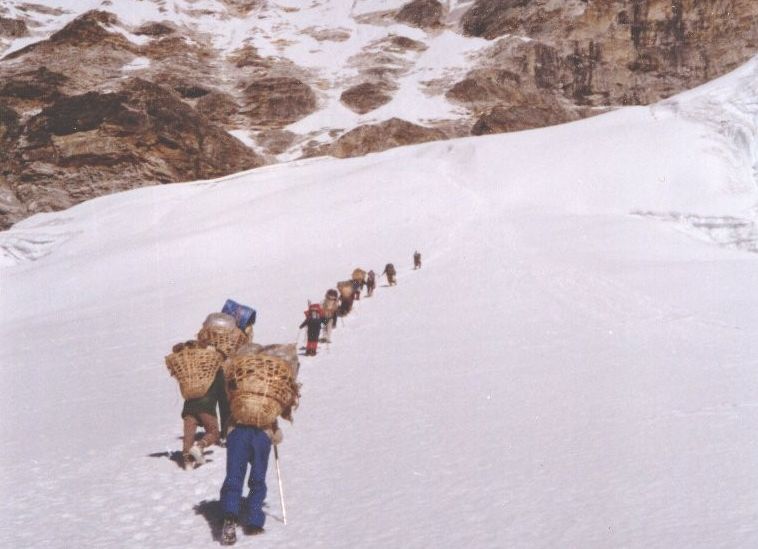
(314, 307)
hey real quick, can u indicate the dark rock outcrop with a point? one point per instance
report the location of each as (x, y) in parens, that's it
(421, 13)
(89, 29)
(9, 125)
(191, 91)
(37, 86)
(217, 107)
(486, 85)
(521, 117)
(366, 97)
(13, 28)
(155, 29)
(492, 18)
(379, 137)
(277, 101)
(97, 143)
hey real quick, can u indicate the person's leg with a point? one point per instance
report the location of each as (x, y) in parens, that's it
(210, 424)
(310, 348)
(238, 451)
(224, 413)
(257, 482)
(190, 426)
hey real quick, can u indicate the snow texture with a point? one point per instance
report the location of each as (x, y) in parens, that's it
(564, 371)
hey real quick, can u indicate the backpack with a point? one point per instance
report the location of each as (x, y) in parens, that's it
(314, 308)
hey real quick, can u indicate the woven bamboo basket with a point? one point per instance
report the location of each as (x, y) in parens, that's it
(226, 341)
(345, 288)
(194, 368)
(330, 307)
(260, 388)
(287, 352)
(359, 275)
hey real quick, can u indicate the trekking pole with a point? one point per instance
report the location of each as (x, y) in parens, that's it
(279, 478)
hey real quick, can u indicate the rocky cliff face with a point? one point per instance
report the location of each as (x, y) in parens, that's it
(97, 143)
(616, 52)
(106, 100)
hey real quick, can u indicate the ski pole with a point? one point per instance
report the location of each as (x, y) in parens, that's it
(279, 478)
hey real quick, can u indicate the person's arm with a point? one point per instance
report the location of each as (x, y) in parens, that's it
(304, 324)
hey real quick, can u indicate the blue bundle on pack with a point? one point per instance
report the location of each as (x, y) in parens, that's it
(244, 315)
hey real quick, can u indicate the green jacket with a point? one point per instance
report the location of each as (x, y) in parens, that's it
(207, 403)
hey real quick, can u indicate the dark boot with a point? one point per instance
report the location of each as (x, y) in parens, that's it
(252, 530)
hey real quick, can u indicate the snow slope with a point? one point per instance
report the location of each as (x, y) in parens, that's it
(565, 370)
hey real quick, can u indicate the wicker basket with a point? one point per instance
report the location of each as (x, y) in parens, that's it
(226, 341)
(359, 275)
(345, 288)
(260, 388)
(330, 307)
(287, 352)
(194, 368)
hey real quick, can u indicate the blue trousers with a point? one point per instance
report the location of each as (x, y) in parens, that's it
(246, 445)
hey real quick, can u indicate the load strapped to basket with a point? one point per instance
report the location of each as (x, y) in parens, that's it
(359, 275)
(244, 315)
(194, 365)
(346, 289)
(263, 386)
(221, 331)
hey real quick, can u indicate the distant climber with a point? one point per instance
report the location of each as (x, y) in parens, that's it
(416, 260)
(314, 317)
(389, 270)
(370, 283)
(330, 306)
(345, 288)
(359, 279)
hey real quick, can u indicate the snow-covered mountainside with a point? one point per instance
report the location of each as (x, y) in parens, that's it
(566, 370)
(98, 96)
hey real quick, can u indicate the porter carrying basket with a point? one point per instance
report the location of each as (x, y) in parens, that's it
(224, 339)
(329, 307)
(194, 367)
(345, 288)
(359, 275)
(261, 388)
